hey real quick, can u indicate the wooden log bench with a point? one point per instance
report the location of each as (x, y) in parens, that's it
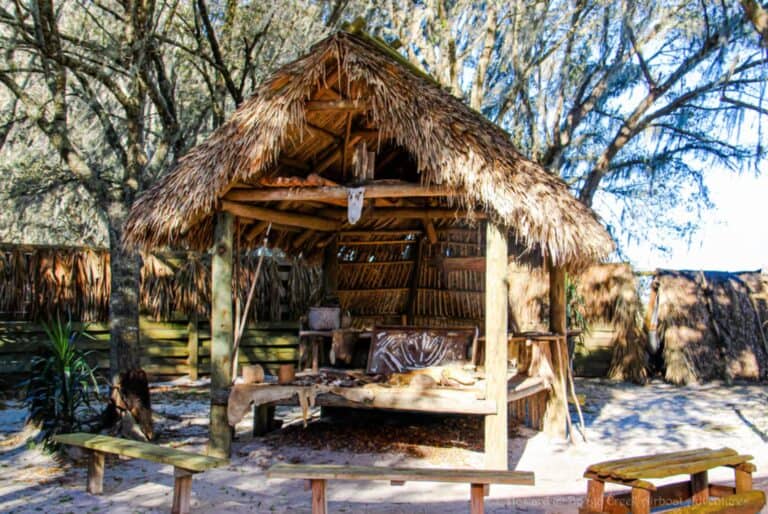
(185, 464)
(703, 497)
(318, 475)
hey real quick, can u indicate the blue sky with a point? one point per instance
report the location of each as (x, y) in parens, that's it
(733, 236)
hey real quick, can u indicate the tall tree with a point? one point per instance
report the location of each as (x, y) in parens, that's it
(143, 79)
(758, 16)
(630, 102)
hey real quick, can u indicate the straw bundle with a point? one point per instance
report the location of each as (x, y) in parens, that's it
(611, 296)
(712, 325)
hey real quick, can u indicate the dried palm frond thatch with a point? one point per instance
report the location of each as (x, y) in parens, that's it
(712, 325)
(448, 143)
(40, 283)
(611, 296)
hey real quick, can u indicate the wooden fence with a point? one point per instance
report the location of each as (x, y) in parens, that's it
(169, 349)
(592, 355)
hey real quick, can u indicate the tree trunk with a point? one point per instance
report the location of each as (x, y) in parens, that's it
(124, 352)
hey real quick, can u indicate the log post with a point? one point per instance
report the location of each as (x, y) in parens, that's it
(554, 418)
(743, 478)
(319, 499)
(193, 346)
(413, 294)
(331, 270)
(700, 488)
(222, 335)
(496, 312)
(476, 499)
(96, 472)
(182, 491)
(641, 501)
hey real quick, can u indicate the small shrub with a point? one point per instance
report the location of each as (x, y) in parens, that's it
(62, 384)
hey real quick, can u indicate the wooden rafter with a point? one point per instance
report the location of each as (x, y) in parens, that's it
(318, 130)
(328, 193)
(338, 105)
(334, 156)
(291, 219)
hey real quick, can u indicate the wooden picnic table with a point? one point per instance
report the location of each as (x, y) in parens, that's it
(636, 472)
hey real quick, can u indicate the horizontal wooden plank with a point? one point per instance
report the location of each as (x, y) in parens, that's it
(339, 472)
(265, 353)
(140, 450)
(405, 399)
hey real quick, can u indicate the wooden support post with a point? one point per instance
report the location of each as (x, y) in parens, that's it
(263, 419)
(316, 345)
(554, 418)
(222, 334)
(319, 500)
(193, 346)
(331, 270)
(96, 472)
(413, 294)
(429, 229)
(699, 488)
(182, 491)
(496, 312)
(641, 501)
(743, 479)
(476, 500)
(595, 494)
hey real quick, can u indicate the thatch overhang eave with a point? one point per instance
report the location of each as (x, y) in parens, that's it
(452, 145)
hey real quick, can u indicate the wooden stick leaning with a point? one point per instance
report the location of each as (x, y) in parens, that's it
(240, 330)
(563, 365)
(582, 426)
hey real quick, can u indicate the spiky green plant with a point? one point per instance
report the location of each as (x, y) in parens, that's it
(62, 383)
(575, 305)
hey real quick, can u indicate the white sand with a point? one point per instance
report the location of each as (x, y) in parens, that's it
(622, 420)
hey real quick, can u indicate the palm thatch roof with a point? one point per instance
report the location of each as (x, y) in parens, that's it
(420, 135)
(712, 325)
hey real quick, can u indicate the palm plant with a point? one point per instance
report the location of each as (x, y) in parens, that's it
(61, 384)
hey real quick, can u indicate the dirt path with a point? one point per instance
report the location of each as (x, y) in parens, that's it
(622, 420)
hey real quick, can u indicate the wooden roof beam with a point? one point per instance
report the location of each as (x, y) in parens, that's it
(422, 213)
(338, 105)
(328, 193)
(317, 129)
(290, 219)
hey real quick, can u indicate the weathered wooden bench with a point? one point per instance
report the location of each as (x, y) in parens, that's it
(185, 464)
(317, 475)
(704, 498)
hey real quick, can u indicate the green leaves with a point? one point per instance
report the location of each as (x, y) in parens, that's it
(62, 383)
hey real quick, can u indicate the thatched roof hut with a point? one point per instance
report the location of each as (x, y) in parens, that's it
(304, 120)
(711, 325)
(411, 199)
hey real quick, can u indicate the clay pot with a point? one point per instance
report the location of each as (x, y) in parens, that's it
(285, 374)
(253, 374)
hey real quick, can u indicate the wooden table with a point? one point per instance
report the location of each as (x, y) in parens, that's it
(635, 472)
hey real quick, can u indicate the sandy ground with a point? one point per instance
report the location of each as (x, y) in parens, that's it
(622, 420)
